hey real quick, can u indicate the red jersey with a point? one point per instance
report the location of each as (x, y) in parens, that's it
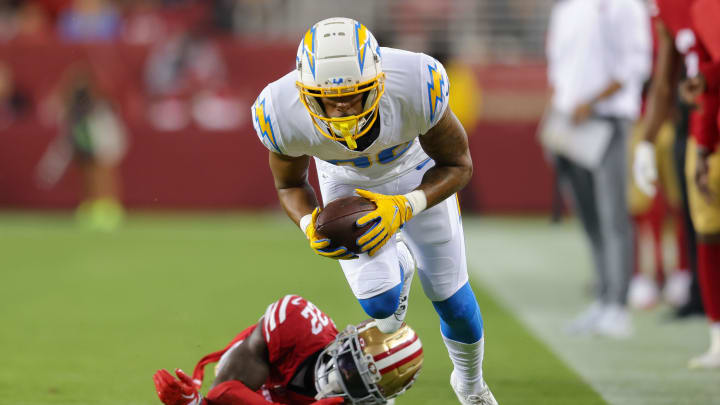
(294, 329)
(677, 17)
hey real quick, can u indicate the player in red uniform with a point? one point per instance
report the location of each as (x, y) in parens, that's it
(702, 166)
(703, 169)
(294, 355)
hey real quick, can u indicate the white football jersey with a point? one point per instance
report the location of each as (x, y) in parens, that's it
(416, 96)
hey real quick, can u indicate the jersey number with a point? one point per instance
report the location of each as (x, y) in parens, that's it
(384, 157)
(318, 320)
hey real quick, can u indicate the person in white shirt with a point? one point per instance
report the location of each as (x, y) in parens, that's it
(599, 56)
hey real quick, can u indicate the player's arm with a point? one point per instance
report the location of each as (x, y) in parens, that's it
(295, 193)
(447, 144)
(663, 82)
(659, 103)
(299, 201)
(247, 363)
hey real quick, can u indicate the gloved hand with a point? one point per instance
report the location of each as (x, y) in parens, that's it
(644, 168)
(321, 246)
(391, 213)
(330, 401)
(183, 391)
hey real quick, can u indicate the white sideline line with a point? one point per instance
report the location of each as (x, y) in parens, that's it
(540, 272)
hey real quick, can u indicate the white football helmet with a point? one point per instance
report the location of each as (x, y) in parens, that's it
(368, 367)
(340, 57)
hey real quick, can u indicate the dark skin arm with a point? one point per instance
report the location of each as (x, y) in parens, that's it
(447, 144)
(296, 195)
(248, 362)
(664, 80)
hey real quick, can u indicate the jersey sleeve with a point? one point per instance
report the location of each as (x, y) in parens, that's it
(435, 94)
(264, 119)
(294, 329)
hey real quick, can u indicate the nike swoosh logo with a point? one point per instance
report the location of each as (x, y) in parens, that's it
(394, 215)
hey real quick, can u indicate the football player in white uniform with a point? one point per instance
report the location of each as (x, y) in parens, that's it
(376, 121)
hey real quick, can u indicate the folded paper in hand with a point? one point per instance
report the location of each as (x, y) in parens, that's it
(584, 144)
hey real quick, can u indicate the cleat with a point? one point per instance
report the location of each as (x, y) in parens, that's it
(483, 396)
(706, 361)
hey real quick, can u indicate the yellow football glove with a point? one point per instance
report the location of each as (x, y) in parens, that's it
(321, 246)
(391, 213)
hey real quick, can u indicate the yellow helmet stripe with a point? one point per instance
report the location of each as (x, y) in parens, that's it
(361, 38)
(309, 45)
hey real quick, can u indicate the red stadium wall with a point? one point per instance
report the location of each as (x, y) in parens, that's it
(200, 169)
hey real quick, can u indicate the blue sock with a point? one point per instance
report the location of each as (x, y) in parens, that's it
(460, 318)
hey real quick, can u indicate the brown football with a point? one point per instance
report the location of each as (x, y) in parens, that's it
(337, 221)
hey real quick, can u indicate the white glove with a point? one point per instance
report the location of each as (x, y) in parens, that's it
(644, 168)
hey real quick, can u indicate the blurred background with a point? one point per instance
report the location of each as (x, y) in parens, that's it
(140, 229)
(180, 77)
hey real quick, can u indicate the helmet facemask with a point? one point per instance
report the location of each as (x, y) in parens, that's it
(350, 366)
(343, 369)
(351, 127)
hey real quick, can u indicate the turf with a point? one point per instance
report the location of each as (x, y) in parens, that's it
(88, 317)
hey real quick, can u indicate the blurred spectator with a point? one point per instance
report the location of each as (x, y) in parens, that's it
(598, 59)
(184, 62)
(143, 23)
(89, 21)
(186, 79)
(23, 21)
(93, 137)
(222, 15)
(13, 102)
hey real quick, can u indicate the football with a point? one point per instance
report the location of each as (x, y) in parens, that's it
(337, 221)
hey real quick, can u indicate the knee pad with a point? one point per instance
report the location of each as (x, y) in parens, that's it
(460, 318)
(382, 305)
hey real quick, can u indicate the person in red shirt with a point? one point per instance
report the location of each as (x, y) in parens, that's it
(294, 355)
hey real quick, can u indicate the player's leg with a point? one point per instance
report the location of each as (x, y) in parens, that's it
(436, 239)
(644, 292)
(676, 291)
(694, 305)
(677, 287)
(706, 218)
(407, 270)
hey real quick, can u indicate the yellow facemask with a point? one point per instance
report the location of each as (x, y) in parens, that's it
(349, 127)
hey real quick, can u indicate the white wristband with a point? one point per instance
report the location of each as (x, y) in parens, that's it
(417, 200)
(305, 222)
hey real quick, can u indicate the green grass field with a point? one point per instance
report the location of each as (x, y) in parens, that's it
(88, 317)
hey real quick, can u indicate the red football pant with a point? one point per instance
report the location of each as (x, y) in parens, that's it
(709, 277)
